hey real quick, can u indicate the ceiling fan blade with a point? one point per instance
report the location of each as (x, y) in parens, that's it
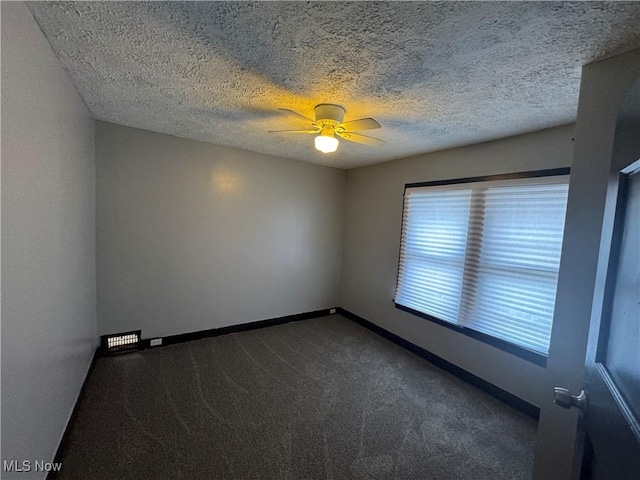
(359, 125)
(299, 115)
(316, 130)
(357, 138)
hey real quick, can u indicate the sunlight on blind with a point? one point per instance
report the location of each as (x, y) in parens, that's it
(432, 253)
(515, 274)
(485, 257)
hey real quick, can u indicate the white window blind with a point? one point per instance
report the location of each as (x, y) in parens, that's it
(485, 256)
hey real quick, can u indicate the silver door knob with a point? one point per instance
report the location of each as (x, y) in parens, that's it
(563, 398)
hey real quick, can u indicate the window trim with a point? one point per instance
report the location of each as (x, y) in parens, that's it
(551, 172)
(521, 352)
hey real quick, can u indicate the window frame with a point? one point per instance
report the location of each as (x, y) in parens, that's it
(521, 352)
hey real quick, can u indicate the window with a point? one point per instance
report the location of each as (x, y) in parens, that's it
(484, 255)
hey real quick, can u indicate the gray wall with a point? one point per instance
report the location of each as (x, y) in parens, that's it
(48, 242)
(372, 241)
(193, 236)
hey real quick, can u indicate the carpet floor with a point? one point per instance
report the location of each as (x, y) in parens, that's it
(316, 399)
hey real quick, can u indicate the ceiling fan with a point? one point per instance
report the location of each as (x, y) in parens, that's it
(329, 123)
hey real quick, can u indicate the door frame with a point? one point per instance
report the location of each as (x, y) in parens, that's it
(603, 87)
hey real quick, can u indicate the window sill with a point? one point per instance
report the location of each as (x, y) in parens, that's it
(520, 352)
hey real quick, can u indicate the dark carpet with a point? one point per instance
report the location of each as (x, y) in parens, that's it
(316, 399)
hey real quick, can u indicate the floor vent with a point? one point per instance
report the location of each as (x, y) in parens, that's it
(118, 343)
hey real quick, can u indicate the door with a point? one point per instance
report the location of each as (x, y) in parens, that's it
(612, 384)
(606, 142)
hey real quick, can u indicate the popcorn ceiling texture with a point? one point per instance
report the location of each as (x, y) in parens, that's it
(435, 75)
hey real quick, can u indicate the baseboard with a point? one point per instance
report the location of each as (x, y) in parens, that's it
(243, 327)
(502, 395)
(74, 415)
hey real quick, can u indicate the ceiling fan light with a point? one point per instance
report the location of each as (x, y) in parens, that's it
(326, 143)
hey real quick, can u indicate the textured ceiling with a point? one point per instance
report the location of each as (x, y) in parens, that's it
(434, 74)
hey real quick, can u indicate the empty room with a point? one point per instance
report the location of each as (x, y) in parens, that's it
(320, 240)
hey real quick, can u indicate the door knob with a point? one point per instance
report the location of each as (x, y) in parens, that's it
(563, 398)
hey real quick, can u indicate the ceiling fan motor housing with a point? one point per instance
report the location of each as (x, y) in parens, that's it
(329, 114)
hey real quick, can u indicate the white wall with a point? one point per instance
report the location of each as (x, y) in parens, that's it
(372, 241)
(193, 236)
(48, 242)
